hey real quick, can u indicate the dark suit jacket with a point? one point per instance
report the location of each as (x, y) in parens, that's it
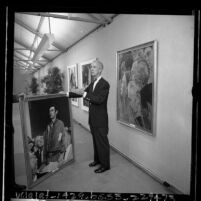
(98, 116)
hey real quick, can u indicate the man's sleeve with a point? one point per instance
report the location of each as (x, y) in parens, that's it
(100, 97)
(74, 95)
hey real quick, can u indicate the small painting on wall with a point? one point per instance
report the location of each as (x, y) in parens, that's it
(72, 79)
(86, 79)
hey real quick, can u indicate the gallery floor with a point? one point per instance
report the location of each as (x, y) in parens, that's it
(123, 176)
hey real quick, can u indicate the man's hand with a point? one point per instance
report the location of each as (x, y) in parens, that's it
(22, 96)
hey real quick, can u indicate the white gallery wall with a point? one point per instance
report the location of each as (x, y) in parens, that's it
(167, 155)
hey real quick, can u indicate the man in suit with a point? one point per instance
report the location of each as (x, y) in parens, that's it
(97, 95)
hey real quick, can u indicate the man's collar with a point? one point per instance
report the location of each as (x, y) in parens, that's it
(53, 121)
(97, 79)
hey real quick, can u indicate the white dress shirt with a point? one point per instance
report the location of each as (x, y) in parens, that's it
(94, 85)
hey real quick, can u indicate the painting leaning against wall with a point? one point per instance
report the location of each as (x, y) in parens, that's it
(47, 134)
(136, 87)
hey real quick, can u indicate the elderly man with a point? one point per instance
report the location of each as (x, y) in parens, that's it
(97, 94)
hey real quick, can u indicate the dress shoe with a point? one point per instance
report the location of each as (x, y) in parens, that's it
(93, 164)
(19, 187)
(101, 169)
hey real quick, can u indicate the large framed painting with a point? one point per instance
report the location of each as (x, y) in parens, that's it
(85, 80)
(72, 79)
(47, 133)
(136, 87)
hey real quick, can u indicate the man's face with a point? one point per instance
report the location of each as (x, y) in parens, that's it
(52, 112)
(95, 69)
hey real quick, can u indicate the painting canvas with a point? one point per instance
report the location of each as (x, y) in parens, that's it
(86, 79)
(136, 87)
(72, 78)
(48, 141)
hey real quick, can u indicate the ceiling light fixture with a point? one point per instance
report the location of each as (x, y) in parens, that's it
(44, 45)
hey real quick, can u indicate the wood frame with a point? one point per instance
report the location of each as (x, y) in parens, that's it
(30, 128)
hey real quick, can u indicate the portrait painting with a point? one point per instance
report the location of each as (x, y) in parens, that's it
(86, 79)
(72, 79)
(136, 87)
(47, 134)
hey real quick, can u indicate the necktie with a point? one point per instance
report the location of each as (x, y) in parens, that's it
(94, 84)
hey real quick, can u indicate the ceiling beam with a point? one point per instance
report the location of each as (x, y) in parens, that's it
(22, 61)
(22, 44)
(93, 16)
(16, 56)
(20, 65)
(18, 60)
(21, 49)
(22, 24)
(30, 60)
(23, 67)
(26, 61)
(28, 48)
(21, 54)
(106, 19)
(18, 48)
(36, 36)
(64, 17)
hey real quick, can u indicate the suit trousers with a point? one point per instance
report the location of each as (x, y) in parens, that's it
(101, 146)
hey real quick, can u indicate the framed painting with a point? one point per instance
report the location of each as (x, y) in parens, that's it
(86, 79)
(72, 79)
(47, 133)
(136, 87)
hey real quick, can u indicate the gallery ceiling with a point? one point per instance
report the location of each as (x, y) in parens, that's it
(67, 29)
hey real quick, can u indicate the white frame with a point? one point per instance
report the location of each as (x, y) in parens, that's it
(74, 68)
(85, 108)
